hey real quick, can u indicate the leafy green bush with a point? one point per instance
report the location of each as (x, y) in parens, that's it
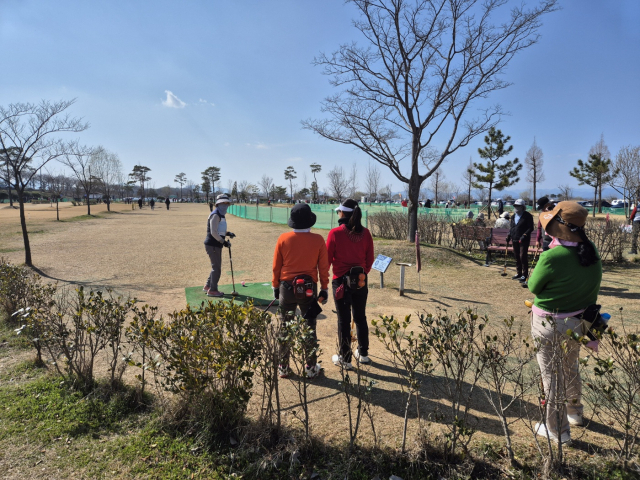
(207, 357)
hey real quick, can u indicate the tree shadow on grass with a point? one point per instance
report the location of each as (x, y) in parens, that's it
(619, 293)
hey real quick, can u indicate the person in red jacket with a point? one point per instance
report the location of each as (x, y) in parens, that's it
(350, 251)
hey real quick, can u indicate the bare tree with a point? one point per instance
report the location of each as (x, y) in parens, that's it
(437, 179)
(372, 180)
(424, 66)
(534, 160)
(626, 180)
(566, 192)
(315, 168)
(56, 186)
(107, 169)
(82, 161)
(28, 140)
(353, 181)
(467, 179)
(338, 183)
(266, 182)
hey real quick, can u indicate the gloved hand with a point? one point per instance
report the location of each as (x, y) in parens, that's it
(276, 292)
(323, 296)
(231, 235)
(226, 243)
(508, 239)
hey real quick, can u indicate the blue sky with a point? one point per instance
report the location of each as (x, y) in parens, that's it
(241, 74)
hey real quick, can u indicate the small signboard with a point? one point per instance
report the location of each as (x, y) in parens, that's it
(382, 263)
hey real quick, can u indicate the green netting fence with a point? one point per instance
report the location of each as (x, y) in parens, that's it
(325, 219)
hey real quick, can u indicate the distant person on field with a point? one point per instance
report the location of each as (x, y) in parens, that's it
(427, 204)
(520, 229)
(350, 252)
(152, 203)
(214, 243)
(634, 218)
(500, 206)
(140, 203)
(167, 202)
(211, 204)
(300, 256)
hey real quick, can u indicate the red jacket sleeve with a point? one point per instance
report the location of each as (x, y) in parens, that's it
(369, 257)
(331, 246)
(633, 214)
(539, 234)
(323, 267)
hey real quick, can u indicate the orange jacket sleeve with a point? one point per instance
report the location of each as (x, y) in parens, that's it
(277, 265)
(323, 266)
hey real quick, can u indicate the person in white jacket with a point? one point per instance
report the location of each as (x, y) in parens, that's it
(215, 241)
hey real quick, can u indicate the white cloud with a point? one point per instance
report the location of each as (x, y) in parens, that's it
(258, 146)
(172, 101)
(204, 102)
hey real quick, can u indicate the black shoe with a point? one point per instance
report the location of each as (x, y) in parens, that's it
(523, 279)
(516, 277)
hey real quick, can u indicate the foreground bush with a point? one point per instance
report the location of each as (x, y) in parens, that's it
(18, 287)
(207, 357)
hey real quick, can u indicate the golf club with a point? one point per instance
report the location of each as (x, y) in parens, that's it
(234, 293)
(525, 284)
(506, 250)
(269, 306)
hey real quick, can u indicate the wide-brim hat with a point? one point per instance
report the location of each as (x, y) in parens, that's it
(504, 215)
(542, 202)
(301, 217)
(223, 198)
(565, 221)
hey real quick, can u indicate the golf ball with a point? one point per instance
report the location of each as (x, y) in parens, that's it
(243, 284)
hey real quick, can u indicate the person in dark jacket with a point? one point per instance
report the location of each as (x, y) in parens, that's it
(521, 226)
(427, 204)
(500, 206)
(215, 241)
(167, 202)
(139, 203)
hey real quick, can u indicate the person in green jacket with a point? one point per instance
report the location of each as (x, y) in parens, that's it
(565, 282)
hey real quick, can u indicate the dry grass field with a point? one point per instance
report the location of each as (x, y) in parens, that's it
(154, 255)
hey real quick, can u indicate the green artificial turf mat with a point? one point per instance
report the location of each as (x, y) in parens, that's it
(261, 293)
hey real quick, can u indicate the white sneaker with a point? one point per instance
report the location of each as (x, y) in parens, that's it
(337, 361)
(575, 420)
(541, 429)
(312, 372)
(363, 359)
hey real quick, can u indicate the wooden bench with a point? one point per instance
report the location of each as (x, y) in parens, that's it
(470, 233)
(498, 242)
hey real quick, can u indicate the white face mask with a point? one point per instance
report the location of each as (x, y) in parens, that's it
(222, 208)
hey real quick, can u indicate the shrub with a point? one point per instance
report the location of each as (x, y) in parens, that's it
(74, 331)
(609, 238)
(207, 357)
(433, 229)
(17, 286)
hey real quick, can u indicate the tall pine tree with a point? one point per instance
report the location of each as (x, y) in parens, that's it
(493, 173)
(595, 172)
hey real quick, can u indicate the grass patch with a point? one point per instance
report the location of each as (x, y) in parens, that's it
(81, 218)
(9, 250)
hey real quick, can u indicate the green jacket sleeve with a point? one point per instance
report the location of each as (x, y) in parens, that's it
(540, 275)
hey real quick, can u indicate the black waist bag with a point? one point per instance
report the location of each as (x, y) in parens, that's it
(595, 324)
(303, 287)
(356, 278)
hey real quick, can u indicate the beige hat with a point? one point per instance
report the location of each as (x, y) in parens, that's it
(565, 221)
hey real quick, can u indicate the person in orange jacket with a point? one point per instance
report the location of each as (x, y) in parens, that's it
(299, 262)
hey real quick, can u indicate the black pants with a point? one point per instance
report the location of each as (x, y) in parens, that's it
(521, 253)
(287, 311)
(353, 301)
